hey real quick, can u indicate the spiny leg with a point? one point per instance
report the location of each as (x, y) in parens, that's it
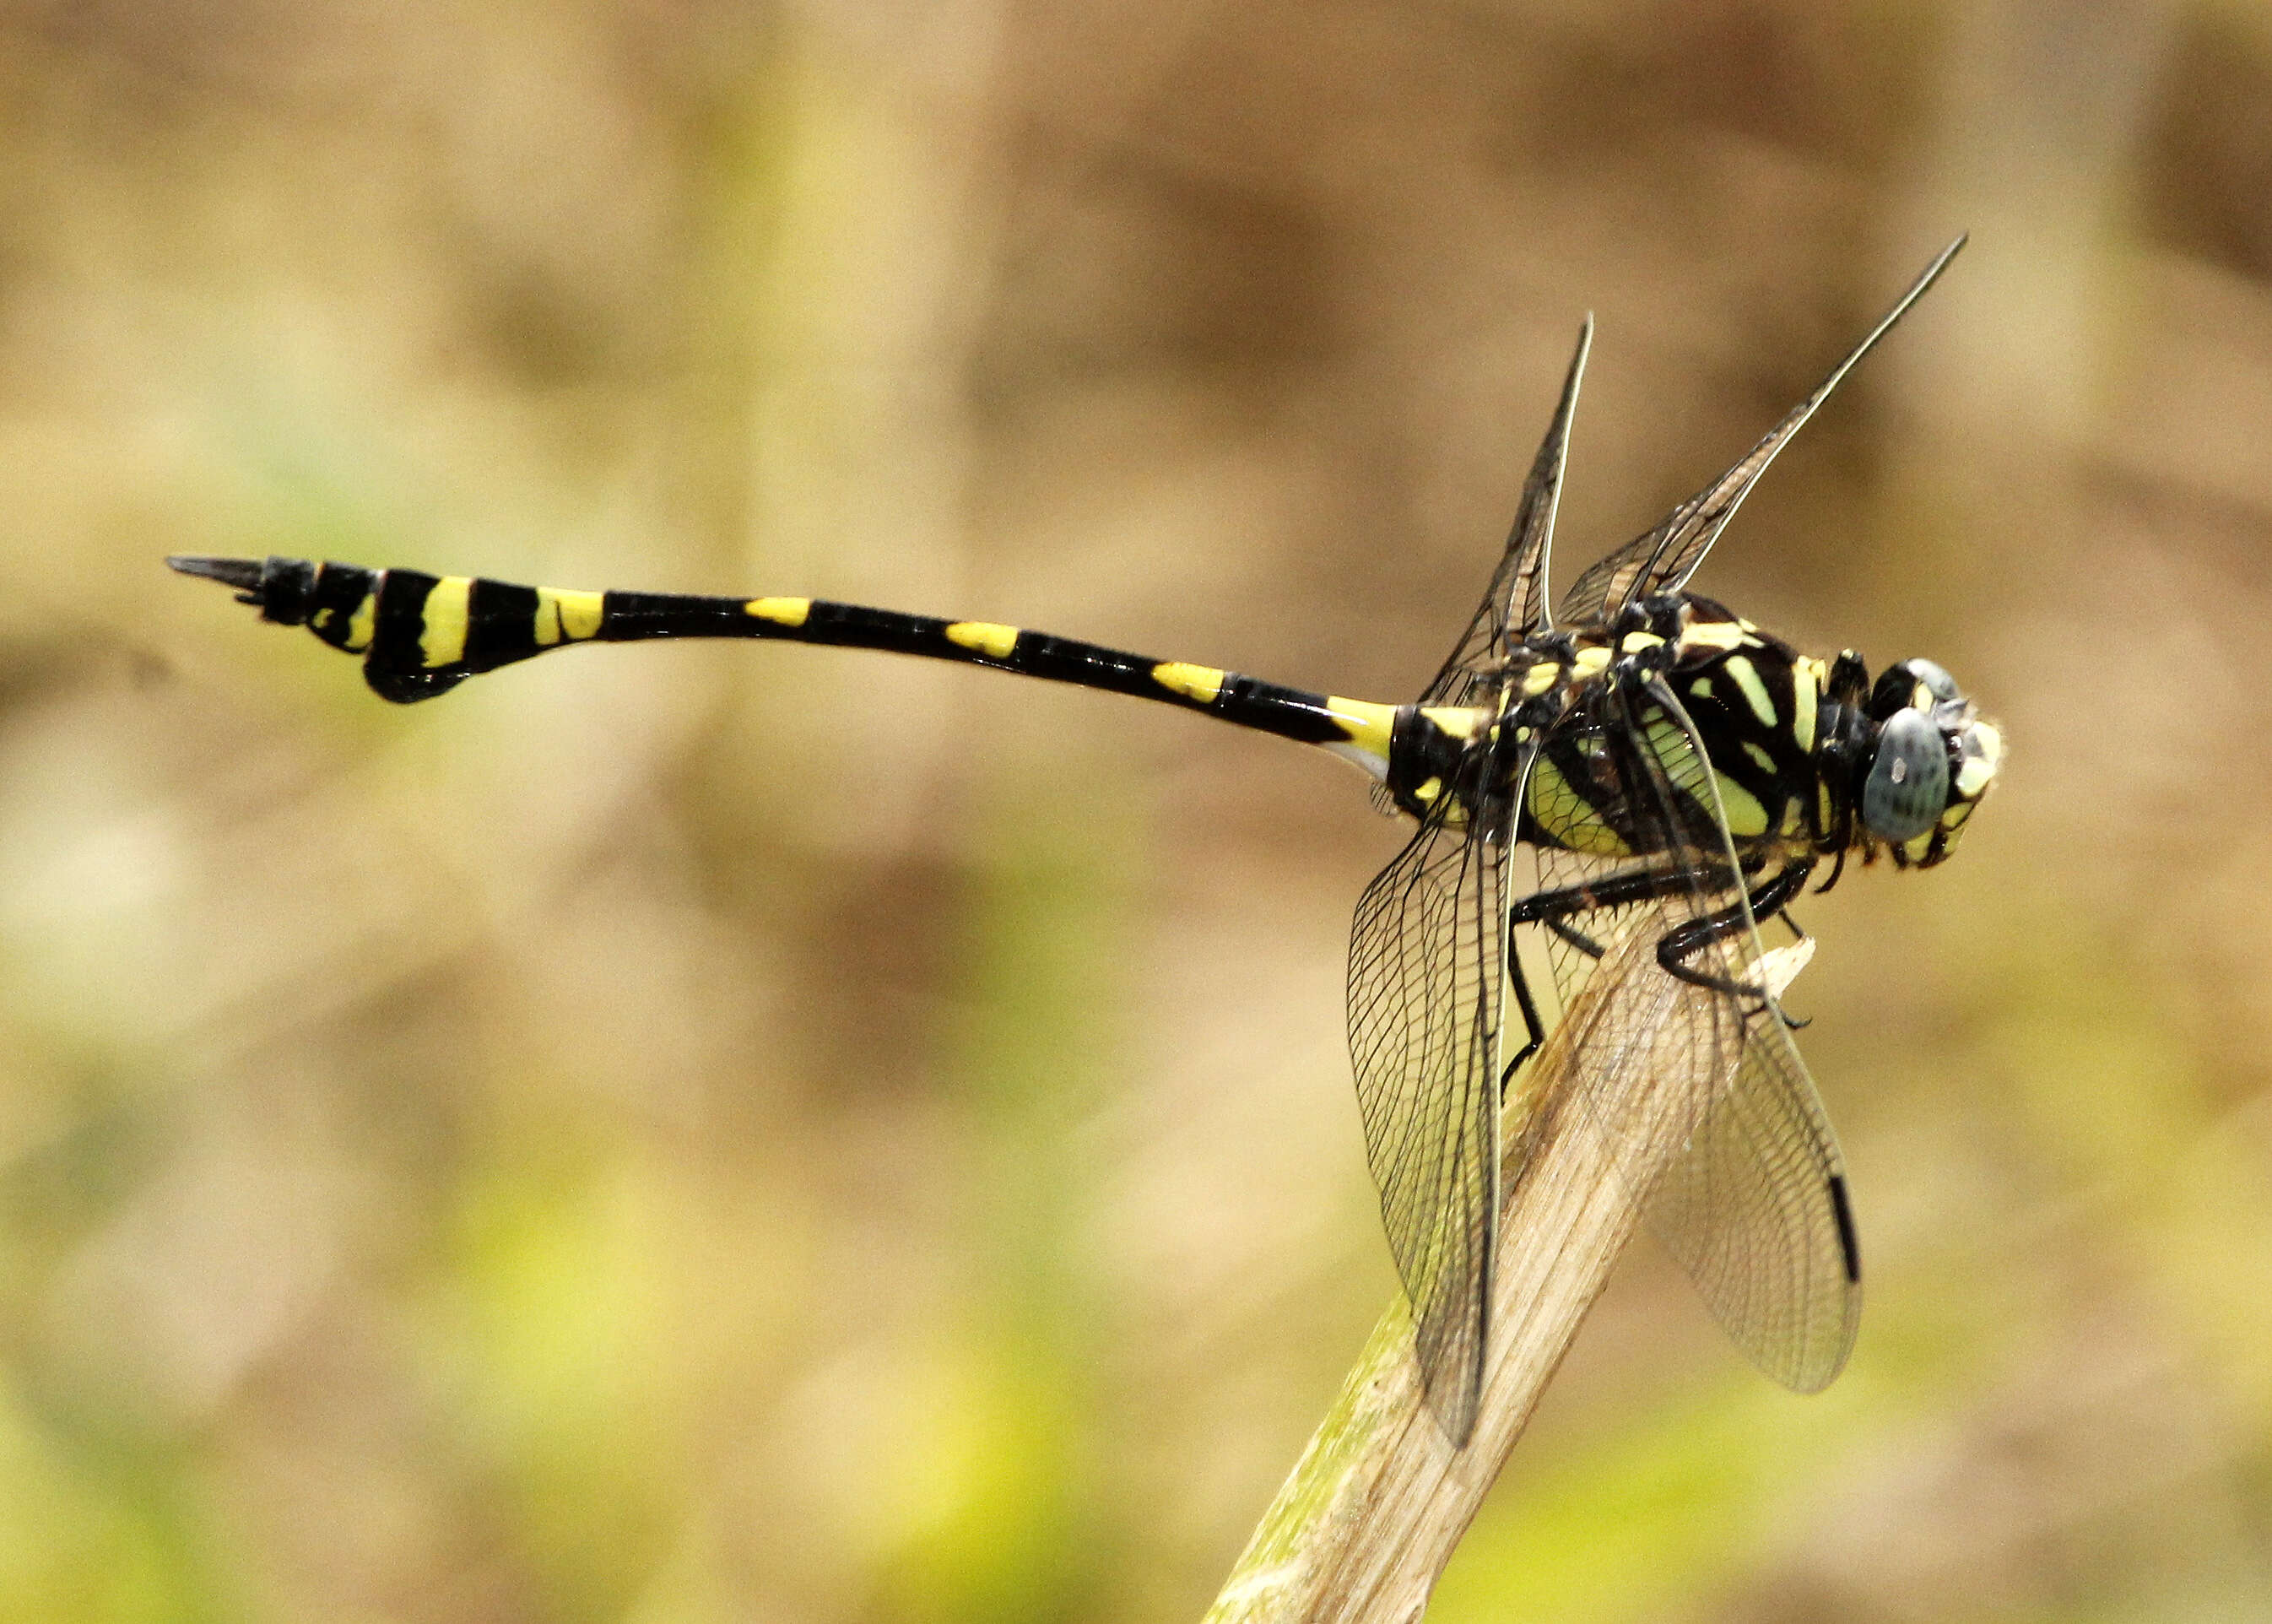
(1690, 940)
(1559, 924)
(1643, 884)
(1553, 909)
(1532, 1024)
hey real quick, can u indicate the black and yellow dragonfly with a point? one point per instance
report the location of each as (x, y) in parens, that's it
(1675, 774)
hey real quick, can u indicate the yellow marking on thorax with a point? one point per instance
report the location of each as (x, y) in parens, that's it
(362, 623)
(1635, 641)
(1455, 720)
(1714, 634)
(441, 621)
(1746, 817)
(566, 617)
(1589, 662)
(983, 637)
(1540, 678)
(1755, 690)
(1974, 776)
(1198, 683)
(1667, 738)
(1367, 724)
(1559, 810)
(1760, 759)
(1808, 678)
(781, 612)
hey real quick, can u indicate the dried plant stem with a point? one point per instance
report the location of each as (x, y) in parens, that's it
(1366, 1523)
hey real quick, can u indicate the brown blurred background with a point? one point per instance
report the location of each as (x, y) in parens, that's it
(713, 1133)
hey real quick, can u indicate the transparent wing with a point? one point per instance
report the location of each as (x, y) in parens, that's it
(1515, 602)
(1755, 1210)
(1664, 559)
(1745, 1185)
(1425, 977)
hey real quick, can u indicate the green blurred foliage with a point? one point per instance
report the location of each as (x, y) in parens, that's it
(691, 1134)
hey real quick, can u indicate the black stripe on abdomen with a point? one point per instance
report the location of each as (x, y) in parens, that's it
(500, 625)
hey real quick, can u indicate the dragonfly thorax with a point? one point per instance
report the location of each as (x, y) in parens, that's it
(1679, 775)
(1807, 758)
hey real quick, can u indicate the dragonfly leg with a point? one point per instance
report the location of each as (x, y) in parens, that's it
(1559, 924)
(1553, 909)
(1533, 1026)
(1690, 940)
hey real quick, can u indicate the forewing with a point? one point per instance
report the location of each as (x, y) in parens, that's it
(1515, 602)
(1425, 973)
(1664, 559)
(1702, 1087)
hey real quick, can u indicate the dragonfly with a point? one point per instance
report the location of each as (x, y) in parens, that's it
(1668, 775)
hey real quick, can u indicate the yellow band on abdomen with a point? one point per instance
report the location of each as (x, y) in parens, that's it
(567, 617)
(781, 612)
(983, 637)
(441, 621)
(1199, 683)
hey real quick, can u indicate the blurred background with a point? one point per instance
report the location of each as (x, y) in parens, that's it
(728, 1133)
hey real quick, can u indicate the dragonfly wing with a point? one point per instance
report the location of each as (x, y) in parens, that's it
(1515, 602)
(1699, 1085)
(1663, 559)
(1425, 1003)
(1755, 1210)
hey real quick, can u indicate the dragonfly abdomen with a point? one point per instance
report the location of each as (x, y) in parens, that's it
(421, 635)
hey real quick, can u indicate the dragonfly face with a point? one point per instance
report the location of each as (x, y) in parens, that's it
(1922, 758)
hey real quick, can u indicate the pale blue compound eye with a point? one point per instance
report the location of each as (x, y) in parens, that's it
(1937, 680)
(1908, 787)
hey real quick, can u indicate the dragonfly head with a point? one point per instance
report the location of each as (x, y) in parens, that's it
(1928, 758)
